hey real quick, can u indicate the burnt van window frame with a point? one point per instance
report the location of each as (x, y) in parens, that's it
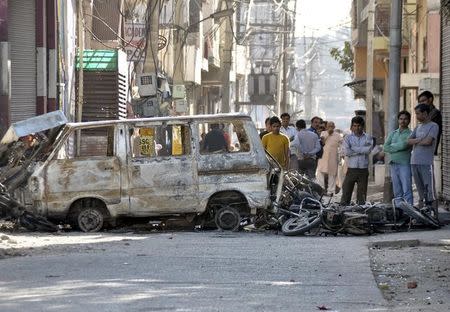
(88, 142)
(159, 140)
(237, 139)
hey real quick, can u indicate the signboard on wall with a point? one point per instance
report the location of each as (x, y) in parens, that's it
(135, 41)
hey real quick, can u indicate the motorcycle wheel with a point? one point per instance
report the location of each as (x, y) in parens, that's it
(418, 215)
(298, 226)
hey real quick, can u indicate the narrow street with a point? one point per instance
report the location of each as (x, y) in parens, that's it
(204, 271)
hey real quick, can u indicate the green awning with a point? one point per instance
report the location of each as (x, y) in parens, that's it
(99, 60)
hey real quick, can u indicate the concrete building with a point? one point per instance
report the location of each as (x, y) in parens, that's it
(420, 55)
(267, 28)
(28, 59)
(445, 97)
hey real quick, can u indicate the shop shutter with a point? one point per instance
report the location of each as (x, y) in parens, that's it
(22, 38)
(445, 97)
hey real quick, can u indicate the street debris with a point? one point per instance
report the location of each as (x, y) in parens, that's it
(399, 269)
(290, 202)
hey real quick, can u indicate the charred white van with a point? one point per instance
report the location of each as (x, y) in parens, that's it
(89, 174)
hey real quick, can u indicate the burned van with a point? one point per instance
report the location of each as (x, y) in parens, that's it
(211, 167)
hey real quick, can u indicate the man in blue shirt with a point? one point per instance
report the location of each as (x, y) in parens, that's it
(357, 147)
(315, 125)
(307, 144)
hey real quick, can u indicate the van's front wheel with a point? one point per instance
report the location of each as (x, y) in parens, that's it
(90, 219)
(89, 215)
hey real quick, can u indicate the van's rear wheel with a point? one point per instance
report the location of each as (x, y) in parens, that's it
(227, 219)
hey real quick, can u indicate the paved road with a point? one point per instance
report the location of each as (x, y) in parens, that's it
(208, 271)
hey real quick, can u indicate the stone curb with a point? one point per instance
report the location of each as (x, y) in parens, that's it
(402, 243)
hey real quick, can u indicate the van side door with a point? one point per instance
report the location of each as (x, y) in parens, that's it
(162, 169)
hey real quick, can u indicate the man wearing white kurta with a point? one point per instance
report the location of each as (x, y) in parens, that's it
(328, 164)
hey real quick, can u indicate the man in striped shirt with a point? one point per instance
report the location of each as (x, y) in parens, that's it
(357, 147)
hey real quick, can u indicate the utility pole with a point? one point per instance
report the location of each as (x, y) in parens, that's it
(180, 36)
(284, 106)
(151, 51)
(81, 61)
(369, 80)
(395, 45)
(79, 109)
(308, 78)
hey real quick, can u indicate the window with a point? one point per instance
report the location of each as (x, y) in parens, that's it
(223, 138)
(89, 142)
(163, 140)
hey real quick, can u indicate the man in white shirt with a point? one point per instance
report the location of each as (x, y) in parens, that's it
(290, 132)
(357, 147)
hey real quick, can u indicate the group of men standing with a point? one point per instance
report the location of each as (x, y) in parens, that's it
(318, 148)
(308, 150)
(411, 152)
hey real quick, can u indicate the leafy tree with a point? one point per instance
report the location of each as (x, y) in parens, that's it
(344, 56)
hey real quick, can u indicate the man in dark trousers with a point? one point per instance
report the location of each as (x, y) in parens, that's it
(423, 140)
(426, 97)
(357, 147)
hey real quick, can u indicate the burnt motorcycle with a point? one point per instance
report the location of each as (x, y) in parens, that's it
(288, 189)
(355, 219)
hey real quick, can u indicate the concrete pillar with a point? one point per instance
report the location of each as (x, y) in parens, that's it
(41, 57)
(52, 56)
(5, 72)
(226, 66)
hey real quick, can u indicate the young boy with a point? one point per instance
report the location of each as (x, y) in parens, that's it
(276, 143)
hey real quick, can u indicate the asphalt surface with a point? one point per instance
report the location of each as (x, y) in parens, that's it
(188, 271)
(208, 271)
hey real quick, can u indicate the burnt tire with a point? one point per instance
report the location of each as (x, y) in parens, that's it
(89, 219)
(227, 219)
(297, 226)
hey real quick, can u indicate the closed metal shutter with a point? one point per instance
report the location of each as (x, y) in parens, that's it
(104, 96)
(445, 97)
(106, 12)
(22, 39)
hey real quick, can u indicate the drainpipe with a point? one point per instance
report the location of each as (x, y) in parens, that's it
(369, 81)
(5, 70)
